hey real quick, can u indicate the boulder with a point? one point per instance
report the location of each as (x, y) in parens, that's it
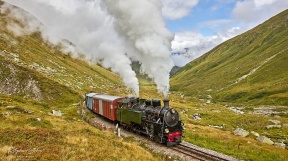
(241, 132)
(255, 133)
(7, 113)
(273, 126)
(55, 113)
(196, 116)
(280, 145)
(10, 107)
(265, 140)
(274, 122)
(28, 111)
(285, 125)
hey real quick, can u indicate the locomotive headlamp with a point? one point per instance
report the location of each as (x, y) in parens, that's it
(166, 130)
(172, 111)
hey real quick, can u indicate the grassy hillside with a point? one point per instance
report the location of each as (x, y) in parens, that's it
(36, 78)
(29, 57)
(250, 68)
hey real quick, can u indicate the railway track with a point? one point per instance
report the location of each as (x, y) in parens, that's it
(197, 154)
(188, 151)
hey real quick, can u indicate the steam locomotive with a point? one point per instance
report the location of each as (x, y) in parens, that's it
(161, 123)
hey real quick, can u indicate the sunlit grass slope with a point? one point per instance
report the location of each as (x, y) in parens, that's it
(36, 78)
(250, 68)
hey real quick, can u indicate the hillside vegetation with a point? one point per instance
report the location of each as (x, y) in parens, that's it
(36, 78)
(251, 68)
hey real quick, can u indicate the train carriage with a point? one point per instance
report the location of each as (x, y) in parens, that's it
(161, 123)
(105, 105)
(89, 100)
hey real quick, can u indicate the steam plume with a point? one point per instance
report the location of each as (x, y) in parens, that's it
(114, 32)
(85, 24)
(147, 40)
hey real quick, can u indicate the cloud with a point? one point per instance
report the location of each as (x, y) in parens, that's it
(253, 12)
(260, 3)
(245, 15)
(176, 9)
(189, 45)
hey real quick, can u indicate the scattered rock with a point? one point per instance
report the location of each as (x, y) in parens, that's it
(7, 113)
(28, 111)
(217, 126)
(76, 104)
(285, 125)
(273, 126)
(280, 145)
(55, 113)
(38, 119)
(265, 140)
(255, 133)
(241, 132)
(10, 107)
(236, 110)
(196, 116)
(274, 122)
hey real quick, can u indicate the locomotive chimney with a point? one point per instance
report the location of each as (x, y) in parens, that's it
(166, 103)
(147, 102)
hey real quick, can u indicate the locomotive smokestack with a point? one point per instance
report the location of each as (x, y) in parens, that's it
(166, 103)
(148, 102)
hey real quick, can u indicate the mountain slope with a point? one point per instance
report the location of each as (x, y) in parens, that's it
(36, 78)
(252, 67)
(34, 68)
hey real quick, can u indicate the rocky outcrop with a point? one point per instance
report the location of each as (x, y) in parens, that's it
(15, 80)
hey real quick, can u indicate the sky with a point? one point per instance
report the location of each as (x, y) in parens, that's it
(157, 33)
(200, 25)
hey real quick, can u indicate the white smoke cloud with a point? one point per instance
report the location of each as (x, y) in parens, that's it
(146, 37)
(87, 25)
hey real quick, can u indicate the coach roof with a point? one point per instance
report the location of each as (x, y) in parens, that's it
(106, 97)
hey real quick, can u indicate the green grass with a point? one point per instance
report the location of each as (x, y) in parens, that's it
(46, 79)
(216, 72)
(70, 138)
(60, 138)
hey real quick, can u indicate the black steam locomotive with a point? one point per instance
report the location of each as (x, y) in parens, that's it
(161, 123)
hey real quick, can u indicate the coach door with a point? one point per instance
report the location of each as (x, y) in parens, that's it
(100, 107)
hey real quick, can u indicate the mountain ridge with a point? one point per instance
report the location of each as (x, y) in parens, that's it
(215, 72)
